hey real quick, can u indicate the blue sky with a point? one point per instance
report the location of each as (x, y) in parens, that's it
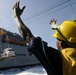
(37, 15)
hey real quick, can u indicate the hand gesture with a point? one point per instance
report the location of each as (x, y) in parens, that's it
(16, 9)
(52, 23)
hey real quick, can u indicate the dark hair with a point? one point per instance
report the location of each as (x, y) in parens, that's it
(66, 44)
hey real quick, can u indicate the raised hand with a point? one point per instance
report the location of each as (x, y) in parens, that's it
(25, 32)
(16, 9)
(52, 23)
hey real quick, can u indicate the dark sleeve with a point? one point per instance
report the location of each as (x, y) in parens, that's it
(55, 59)
(49, 57)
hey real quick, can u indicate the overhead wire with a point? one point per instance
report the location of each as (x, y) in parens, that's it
(52, 7)
(45, 10)
(48, 9)
(72, 9)
(53, 12)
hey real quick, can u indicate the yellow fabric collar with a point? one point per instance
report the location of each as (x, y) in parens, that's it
(69, 51)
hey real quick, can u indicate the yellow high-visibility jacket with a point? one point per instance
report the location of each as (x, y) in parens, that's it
(69, 61)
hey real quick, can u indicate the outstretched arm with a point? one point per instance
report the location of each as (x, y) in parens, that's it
(23, 29)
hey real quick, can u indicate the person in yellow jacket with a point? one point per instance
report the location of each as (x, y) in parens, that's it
(66, 43)
(55, 62)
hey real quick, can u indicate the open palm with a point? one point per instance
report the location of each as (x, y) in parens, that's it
(17, 10)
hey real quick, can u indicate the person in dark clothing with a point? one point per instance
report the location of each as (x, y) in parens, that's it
(55, 62)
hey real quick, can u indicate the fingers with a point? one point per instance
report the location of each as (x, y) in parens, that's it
(53, 21)
(18, 4)
(23, 8)
(15, 5)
